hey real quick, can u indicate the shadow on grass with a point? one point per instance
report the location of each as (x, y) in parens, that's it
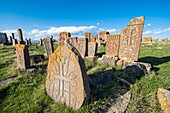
(154, 61)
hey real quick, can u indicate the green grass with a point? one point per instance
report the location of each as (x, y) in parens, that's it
(27, 93)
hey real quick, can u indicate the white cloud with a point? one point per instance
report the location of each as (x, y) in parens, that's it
(98, 23)
(162, 31)
(111, 30)
(57, 30)
(149, 24)
(8, 32)
(159, 31)
(147, 32)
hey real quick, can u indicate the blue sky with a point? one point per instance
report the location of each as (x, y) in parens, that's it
(40, 18)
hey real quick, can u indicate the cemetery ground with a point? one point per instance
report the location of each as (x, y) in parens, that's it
(27, 91)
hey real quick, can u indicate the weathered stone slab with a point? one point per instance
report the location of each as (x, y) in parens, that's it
(37, 58)
(130, 40)
(67, 80)
(112, 44)
(73, 41)
(102, 35)
(110, 60)
(82, 46)
(48, 45)
(63, 36)
(92, 49)
(88, 35)
(164, 99)
(22, 54)
(20, 40)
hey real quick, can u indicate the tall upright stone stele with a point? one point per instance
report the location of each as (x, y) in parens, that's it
(48, 45)
(67, 80)
(112, 44)
(22, 54)
(20, 35)
(130, 40)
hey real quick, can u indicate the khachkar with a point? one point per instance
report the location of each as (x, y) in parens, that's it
(20, 41)
(112, 44)
(130, 40)
(48, 45)
(63, 36)
(67, 80)
(22, 54)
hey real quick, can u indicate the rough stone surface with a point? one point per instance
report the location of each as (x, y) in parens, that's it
(20, 40)
(22, 54)
(112, 44)
(138, 68)
(92, 49)
(88, 35)
(63, 37)
(102, 35)
(82, 46)
(164, 99)
(48, 45)
(130, 40)
(67, 80)
(111, 60)
(121, 103)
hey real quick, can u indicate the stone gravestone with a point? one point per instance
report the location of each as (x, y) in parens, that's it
(73, 41)
(92, 49)
(26, 42)
(82, 46)
(22, 54)
(6, 39)
(48, 45)
(67, 80)
(102, 35)
(11, 39)
(112, 44)
(29, 41)
(63, 36)
(87, 35)
(20, 40)
(130, 40)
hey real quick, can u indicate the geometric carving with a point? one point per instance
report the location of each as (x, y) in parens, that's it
(130, 40)
(112, 44)
(67, 80)
(48, 45)
(22, 54)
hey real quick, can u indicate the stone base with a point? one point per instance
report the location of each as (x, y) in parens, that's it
(91, 58)
(37, 58)
(111, 60)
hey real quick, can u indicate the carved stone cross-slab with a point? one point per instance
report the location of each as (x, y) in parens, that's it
(66, 80)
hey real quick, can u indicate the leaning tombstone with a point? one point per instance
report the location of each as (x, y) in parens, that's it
(67, 80)
(41, 42)
(22, 54)
(48, 45)
(130, 40)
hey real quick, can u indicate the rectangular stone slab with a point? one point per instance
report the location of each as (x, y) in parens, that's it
(130, 40)
(112, 44)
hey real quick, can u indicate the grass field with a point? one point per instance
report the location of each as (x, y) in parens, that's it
(27, 93)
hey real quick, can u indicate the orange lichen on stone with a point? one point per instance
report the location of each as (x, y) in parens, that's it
(164, 99)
